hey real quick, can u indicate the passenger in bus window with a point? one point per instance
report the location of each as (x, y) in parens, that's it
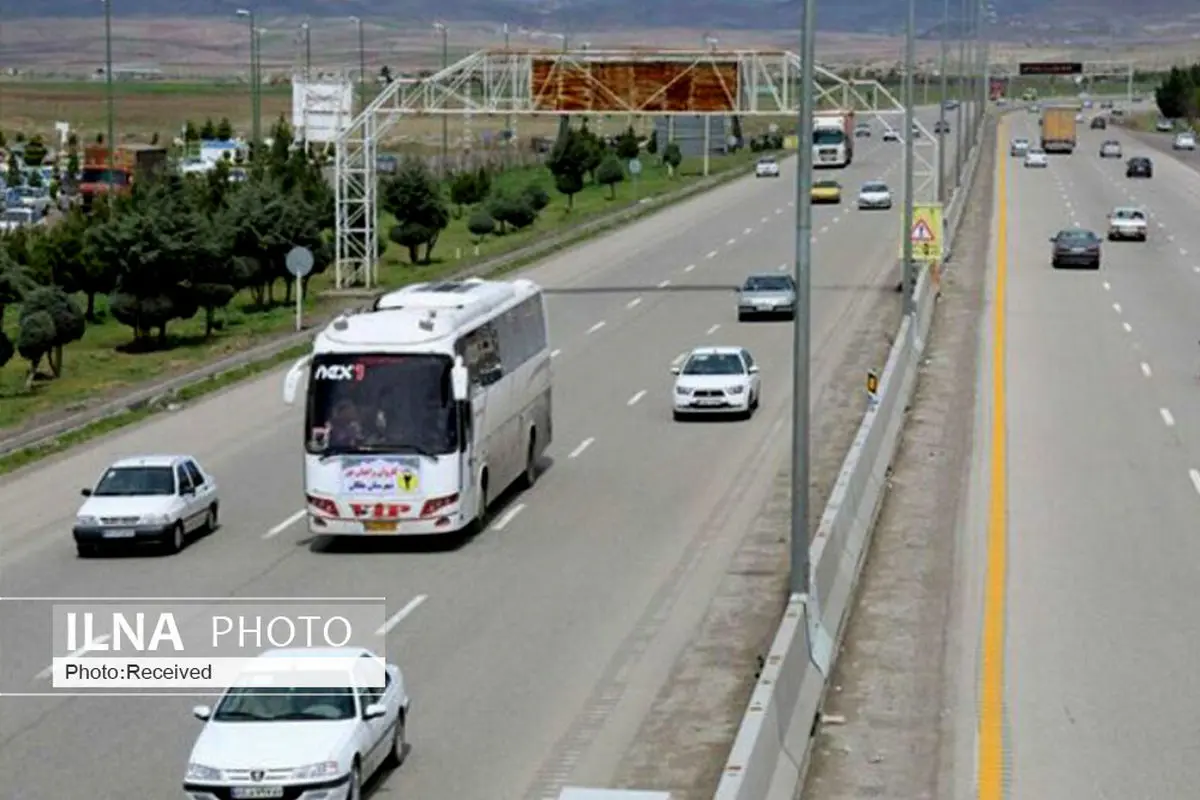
(345, 430)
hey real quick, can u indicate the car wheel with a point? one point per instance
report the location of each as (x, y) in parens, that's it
(396, 755)
(675, 415)
(741, 317)
(211, 519)
(354, 790)
(174, 542)
(87, 550)
(1096, 265)
(529, 476)
(754, 402)
(1054, 264)
(1112, 237)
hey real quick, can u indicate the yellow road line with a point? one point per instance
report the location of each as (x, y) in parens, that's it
(991, 702)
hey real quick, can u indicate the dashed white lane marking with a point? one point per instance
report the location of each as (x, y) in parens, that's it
(779, 211)
(411, 606)
(584, 445)
(711, 254)
(1161, 225)
(287, 523)
(675, 362)
(689, 268)
(1194, 474)
(1170, 237)
(791, 203)
(634, 302)
(765, 219)
(1128, 328)
(712, 330)
(555, 353)
(782, 267)
(633, 400)
(507, 517)
(664, 284)
(1182, 252)
(747, 231)
(1168, 420)
(597, 326)
(1196, 269)
(98, 640)
(813, 239)
(1107, 286)
(729, 242)
(824, 229)
(1146, 369)
(836, 220)
(1117, 307)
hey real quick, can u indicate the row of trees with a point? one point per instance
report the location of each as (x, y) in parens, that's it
(1178, 96)
(173, 247)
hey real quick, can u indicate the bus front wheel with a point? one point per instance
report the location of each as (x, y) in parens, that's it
(529, 476)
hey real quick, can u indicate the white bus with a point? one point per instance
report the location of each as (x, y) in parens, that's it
(425, 409)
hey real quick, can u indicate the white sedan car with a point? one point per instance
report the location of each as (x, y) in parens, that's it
(299, 743)
(1036, 158)
(891, 135)
(1184, 141)
(766, 167)
(716, 380)
(158, 500)
(874, 194)
(1127, 223)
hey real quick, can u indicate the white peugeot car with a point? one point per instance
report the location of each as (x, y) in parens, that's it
(766, 167)
(158, 500)
(716, 380)
(1036, 158)
(1127, 223)
(299, 743)
(874, 194)
(1184, 141)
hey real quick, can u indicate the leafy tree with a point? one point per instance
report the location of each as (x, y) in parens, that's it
(1178, 96)
(568, 164)
(537, 197)
(35, 151)
(14, 176)
(71, 252)
(3, 140)
(15, 283)
(35, 179)
(35, 339)
(413, 197)
(480, 224)
(7, 349)
(224, 129)
(511, 209)
(190, 133)
(66, 325)
(672, 157)
(99, 138)
(468, 189)
(569, 184)
(652, 143)
(72, 164)
(20, 137)
(609, 174)
(592, 150)
(627, 145)
(735, 130)
(208, 131)
(73, 140)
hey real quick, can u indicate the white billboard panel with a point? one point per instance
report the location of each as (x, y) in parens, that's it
(321, 109)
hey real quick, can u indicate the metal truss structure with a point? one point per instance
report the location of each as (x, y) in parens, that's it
(636, 83)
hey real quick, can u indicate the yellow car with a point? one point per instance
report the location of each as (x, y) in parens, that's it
(826, 192)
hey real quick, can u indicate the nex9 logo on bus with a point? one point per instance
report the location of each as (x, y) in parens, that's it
(340, 372)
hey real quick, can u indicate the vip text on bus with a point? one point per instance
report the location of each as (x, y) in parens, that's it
(422, 411)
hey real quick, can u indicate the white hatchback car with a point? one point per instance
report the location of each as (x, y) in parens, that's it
(1184, 141)
(301, 743)
(716, 380)
(874, 194)
(150, 499)
(766, 167)
(1036, 158)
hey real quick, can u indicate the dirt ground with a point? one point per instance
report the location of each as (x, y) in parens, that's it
(886, 712)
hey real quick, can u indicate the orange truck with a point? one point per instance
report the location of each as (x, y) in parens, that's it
(129, 162)
(1058, 129)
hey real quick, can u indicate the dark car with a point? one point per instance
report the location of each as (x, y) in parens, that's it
(1098, 124)
(941, 127)
(1139, 167)
(1075, 247)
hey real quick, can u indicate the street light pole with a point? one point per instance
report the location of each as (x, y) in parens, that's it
(943, 57)
(961, 95)
(109, 99)
(307, 28)
(362, 63)
(910, 50)
(798, 578)
(254, 107)
(441, 28)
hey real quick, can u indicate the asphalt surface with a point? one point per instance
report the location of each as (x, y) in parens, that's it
(1103, 493)
(512, 638)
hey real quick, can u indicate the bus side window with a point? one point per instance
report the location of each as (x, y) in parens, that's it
(482, 356)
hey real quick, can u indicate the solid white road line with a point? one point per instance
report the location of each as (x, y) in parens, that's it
(1146, 369)
(584, 445)
(399, 616)
(1195, 476)
(287, 523)
(633, 400)
(1168, 420)
(633, 302)
(596, 327)
(48, 671)
(507, 517)
(712, 330)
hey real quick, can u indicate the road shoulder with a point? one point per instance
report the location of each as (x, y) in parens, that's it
(885, 715)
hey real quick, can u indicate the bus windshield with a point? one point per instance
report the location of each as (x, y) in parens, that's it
(376, 403)
(828, 136)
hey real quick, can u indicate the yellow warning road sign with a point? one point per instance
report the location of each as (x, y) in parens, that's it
(927, 234)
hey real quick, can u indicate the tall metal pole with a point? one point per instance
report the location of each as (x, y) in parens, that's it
(798, 579)
(985, 89)
(960, 83)
(307, 51)
(256, 38)
(441, 28)
(511, 143)
(109, 89)
(362, 64)
(910, 57)
(941, 145)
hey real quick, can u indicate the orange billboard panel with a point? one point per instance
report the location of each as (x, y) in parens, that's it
(635, 86)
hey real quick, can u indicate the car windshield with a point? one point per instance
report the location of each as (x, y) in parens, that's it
(826, 185)
(714, 364)
(136, 482)
(1020, 142)
(768, 283)
(829, 136)
(874, 187)
(1076, 237)
(363, 403)
(766, 161)
(1125, 213)
(277, 704)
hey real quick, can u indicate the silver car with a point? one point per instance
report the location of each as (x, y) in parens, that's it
(1018, 148)
(767, 296)
(1110, 149)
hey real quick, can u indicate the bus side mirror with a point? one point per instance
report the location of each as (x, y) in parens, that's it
(458, 380)
(291, 383)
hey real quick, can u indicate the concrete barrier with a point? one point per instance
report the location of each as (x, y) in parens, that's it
(769, 756)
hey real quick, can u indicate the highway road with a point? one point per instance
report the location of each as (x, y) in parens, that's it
(533, 650)
(1083, 524)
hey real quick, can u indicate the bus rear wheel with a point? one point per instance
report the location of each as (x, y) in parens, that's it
(529, 476)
